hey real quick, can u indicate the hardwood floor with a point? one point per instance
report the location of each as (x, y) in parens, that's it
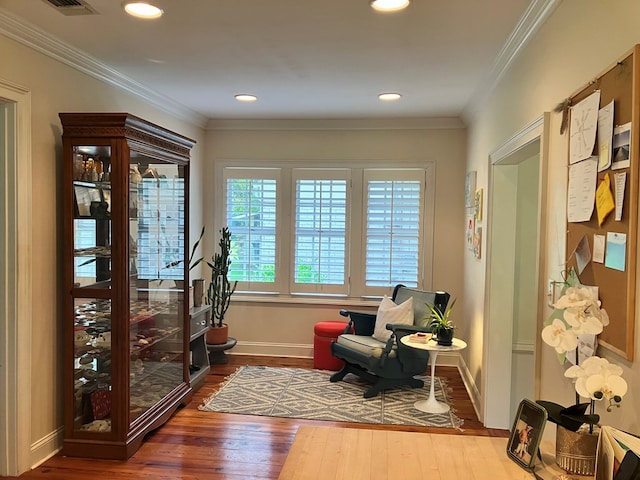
(197, 445)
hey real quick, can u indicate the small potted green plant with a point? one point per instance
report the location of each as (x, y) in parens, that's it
(441, 325)
(220, 289)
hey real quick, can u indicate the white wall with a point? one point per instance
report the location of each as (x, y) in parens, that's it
(57, 88)
(580, 40)
(287, 328)
(524, 312)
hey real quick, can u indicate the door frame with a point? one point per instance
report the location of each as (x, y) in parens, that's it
(498, 300)
(16, 281)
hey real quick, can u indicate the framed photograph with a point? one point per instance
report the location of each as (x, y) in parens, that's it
(526, 433)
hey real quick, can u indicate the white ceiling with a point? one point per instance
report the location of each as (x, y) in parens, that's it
(303, 59)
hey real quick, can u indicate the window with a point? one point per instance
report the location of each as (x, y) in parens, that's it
(393, 226)
(352, 231)
(320, 231)
(251, 199)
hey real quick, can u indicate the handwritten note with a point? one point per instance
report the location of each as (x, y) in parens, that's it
(584, 120)
(620, 180)
(582, 190)
(604, 199)
(605, 136)
(598, 248)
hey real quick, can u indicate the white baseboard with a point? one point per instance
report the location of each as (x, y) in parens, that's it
(471, 387)
(273, 349)
(46, 447)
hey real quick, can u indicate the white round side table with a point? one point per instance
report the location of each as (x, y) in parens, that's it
(431, 405)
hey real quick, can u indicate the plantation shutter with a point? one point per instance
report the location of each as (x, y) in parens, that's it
(393, 227)
(320, 231)
(251, 201)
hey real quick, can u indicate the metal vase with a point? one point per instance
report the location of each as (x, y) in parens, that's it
(198, 291)
(576, 451)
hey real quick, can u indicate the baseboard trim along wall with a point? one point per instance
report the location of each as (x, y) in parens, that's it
(273, 349)
(46, 447)
(470, 385)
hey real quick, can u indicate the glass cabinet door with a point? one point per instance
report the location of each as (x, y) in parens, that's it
(92, 365)
(92, 216)
(157, 273)
(92, 269)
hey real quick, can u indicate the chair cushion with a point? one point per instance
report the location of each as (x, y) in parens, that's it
(389, 312)
(365, 344)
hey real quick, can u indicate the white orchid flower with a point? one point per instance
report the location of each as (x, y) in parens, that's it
(557, 336)
(576, 297)
(598, 379)
(582, 320)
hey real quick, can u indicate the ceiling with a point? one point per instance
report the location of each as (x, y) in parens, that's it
(304, 60)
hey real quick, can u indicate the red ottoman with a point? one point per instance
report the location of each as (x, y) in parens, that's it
(324, 334)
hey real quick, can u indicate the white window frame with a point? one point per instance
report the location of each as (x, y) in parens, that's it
(425, 257)
(281, 279)
(320, 174)
(355, 269)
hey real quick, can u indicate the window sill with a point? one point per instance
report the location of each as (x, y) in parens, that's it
(305, 300)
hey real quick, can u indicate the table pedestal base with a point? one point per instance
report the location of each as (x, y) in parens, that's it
(431, 405)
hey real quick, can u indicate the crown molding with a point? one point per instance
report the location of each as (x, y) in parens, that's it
(534, 17)
(33, 37)
(417, 123)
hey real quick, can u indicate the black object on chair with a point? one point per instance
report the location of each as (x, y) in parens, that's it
(388, 364)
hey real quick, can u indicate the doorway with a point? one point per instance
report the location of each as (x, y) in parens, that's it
(515, 290)
(15, 280)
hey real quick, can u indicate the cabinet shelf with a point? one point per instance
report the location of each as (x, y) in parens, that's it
(138, 348)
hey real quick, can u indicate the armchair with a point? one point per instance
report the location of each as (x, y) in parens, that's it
(389, 364)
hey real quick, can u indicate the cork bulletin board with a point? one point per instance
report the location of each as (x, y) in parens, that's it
(617, 288)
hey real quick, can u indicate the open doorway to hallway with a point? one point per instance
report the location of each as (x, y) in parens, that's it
(515, 289)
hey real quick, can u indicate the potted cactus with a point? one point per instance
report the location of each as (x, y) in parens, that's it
(220, 290)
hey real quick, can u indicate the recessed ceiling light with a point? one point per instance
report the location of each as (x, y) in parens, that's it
(389, 5)
(246, 97)
(389, 96)
(142, 10)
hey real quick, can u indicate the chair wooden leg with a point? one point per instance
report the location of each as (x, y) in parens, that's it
(416, 383)
(339, 375)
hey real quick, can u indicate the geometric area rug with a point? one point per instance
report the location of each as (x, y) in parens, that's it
(308, 394)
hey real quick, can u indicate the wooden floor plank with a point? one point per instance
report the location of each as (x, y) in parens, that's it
(196, 445)
(391, 455)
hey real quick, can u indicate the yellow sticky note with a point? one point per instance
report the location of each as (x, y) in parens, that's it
(604, 199)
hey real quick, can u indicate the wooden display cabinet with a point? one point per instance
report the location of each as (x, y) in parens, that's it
(126, 314)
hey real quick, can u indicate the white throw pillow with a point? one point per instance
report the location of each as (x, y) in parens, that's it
(389, 312)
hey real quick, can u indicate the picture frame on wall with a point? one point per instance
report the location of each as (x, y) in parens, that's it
(477, 204)
(477, 243)
(526, 433)
(470, 189)
(470, 230)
